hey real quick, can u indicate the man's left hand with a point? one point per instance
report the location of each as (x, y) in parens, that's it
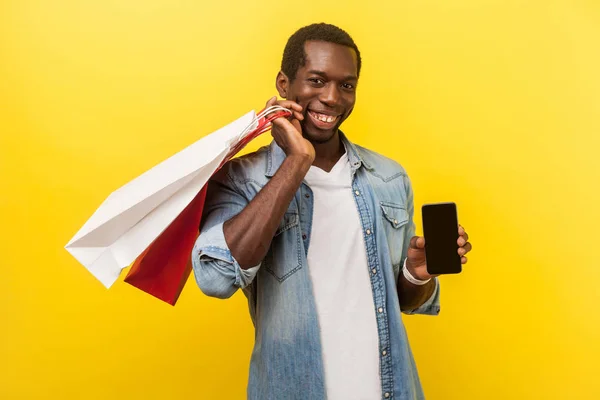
(416, 262)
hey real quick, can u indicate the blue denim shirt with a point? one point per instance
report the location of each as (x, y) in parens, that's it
(286, 361)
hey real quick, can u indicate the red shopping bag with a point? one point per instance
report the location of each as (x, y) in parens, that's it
(164, 267)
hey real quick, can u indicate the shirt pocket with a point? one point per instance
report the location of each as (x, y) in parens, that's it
(284, 256)
(395, 221)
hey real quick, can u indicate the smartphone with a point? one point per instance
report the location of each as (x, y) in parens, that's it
(440, 229)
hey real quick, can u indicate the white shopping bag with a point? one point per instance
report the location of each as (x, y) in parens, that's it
(134, 215)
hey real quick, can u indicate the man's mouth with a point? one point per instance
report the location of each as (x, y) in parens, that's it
(323, 121)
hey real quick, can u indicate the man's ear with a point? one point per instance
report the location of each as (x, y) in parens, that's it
(282, 83)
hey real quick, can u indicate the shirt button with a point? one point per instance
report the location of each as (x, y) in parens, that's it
(395, 221)
(386, 395)
(384, 352)
(374, 270)
(368, 231)
(303, 236)
(357, 193)
(307, 195)
(380, 310)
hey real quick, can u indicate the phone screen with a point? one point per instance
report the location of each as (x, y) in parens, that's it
(440, 229)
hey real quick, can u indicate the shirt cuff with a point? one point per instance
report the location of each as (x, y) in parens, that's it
(432, 305)
(217, 272)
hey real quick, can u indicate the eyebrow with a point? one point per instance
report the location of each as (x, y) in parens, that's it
(324, 75)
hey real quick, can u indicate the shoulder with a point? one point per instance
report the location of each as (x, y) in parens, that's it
(387, 177)
(381, 166)
(251, 166)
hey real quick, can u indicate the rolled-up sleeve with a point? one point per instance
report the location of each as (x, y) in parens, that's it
(217, 272)
(431, 305)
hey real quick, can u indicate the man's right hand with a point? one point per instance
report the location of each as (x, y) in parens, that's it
(249, 233)
(288, 133)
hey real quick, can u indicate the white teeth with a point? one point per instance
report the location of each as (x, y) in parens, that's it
(324, 118)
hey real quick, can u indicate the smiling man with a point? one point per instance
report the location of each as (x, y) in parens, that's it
(318, 233)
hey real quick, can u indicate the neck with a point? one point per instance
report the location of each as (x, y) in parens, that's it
(327, 154)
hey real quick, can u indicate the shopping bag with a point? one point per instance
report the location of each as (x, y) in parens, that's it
(163, 269)
(139, 221)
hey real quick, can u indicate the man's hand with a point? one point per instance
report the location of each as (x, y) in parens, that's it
(288, 133)
(416, 262)
(249, 233)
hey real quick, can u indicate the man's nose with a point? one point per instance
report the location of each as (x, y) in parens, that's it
(330, 95)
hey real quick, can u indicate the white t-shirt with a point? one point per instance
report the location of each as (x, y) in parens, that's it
(337, 262)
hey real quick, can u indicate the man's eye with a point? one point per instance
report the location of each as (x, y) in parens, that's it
(316, 81)
(348, 86)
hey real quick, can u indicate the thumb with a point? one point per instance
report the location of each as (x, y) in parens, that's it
(285, 126)
(417, 242)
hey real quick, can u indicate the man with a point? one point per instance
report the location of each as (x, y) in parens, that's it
(316, 231)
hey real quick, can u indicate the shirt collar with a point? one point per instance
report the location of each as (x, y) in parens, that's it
(276, 155)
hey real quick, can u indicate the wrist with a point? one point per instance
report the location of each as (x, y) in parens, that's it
(301, 162)
(410, 276)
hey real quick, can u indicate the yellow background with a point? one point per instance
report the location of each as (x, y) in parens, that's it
(492, 104)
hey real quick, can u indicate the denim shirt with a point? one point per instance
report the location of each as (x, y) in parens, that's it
(286, 361)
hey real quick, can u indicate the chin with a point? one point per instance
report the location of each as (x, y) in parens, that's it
(319, 136)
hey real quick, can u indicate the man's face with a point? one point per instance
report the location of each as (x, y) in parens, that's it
(325, 88)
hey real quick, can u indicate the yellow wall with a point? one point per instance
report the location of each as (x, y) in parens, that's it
(492, 104)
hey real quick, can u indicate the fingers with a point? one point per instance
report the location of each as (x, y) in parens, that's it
(463, 236)
(271, 102)
(461, 241)
(289, 104)
(283, 125)
(296, 125)
(465, 249)
(417, 242)
(294, 107)
(462, 232)
(298, 115)
(288, 135)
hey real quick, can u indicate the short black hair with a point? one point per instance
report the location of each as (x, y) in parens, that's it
(294, 55)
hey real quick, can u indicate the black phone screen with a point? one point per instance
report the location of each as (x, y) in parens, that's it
(440, 229)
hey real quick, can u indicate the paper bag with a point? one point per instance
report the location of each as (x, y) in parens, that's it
(140, 220)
